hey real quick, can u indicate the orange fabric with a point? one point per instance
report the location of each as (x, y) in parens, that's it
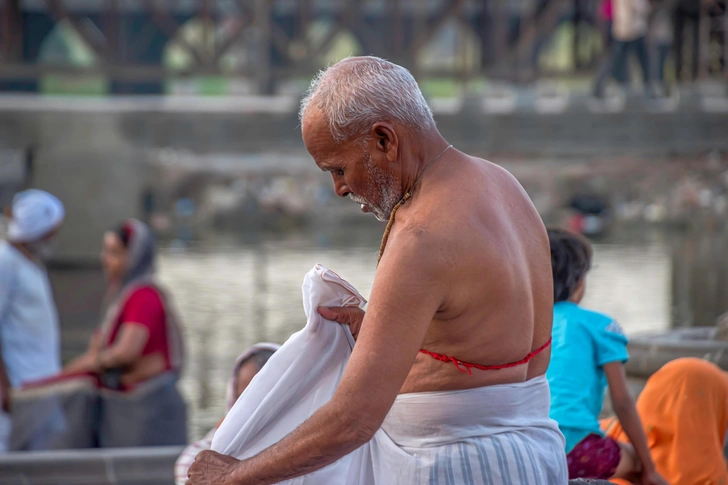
(684, 411)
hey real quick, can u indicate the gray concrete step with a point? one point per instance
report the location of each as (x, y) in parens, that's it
(119, 466)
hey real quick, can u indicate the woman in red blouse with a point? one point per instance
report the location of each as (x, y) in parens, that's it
(138, 338)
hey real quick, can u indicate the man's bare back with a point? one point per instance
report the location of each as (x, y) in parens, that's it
(498, 306)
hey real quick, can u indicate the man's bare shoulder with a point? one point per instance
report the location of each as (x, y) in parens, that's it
(500, 190)
(497, 173)
(472, 203)
(421, 234)
(418, 254)
(469, 186)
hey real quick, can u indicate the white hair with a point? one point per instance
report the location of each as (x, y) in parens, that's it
(357, 92)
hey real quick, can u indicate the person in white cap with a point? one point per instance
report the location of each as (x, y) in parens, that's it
(29, 329)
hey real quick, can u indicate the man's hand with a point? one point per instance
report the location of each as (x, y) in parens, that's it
(212, 468)
(348, 315)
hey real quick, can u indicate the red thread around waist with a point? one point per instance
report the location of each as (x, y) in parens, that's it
(467, 366)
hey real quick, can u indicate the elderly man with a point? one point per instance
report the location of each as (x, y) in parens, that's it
(460, 309)
(29, 333)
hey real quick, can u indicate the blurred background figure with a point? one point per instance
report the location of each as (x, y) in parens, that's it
(139, 338)
(686, 21)
(606, 15)
(247, 365)
(588, 357)
(684, 411)
(661, 41)
(629, 33)
(138, 341)
(590, 214)
(29, 333)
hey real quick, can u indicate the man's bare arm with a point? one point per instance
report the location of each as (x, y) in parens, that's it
(407, 293)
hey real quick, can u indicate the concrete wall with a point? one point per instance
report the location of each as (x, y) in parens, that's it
(95, 171)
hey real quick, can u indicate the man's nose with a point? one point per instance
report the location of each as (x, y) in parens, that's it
(340, 187)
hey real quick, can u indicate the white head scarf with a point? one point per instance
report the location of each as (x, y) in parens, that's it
(35, 214)
(233, 381)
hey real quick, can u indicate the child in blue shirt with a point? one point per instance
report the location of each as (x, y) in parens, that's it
(589, 350)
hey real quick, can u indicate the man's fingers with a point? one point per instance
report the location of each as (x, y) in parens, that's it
(337, 314)
(329, 313)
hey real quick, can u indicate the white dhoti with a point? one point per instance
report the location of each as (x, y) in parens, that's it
(490, 435)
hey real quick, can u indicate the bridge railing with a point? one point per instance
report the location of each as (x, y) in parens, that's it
(268, 41)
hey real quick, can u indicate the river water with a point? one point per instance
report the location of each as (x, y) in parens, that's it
(232, 292)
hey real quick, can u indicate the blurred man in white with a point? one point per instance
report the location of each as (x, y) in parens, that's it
(29, 333)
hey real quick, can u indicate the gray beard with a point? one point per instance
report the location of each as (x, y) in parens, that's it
(384, 183)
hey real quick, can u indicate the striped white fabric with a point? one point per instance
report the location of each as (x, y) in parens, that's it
(490, 435)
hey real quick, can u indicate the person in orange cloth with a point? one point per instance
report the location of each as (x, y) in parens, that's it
(684, 410)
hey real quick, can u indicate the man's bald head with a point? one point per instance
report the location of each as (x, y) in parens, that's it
(357, 92)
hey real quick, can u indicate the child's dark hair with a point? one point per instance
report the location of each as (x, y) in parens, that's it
(571, 256)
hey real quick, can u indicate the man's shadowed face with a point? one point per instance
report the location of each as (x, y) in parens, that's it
(359, 169)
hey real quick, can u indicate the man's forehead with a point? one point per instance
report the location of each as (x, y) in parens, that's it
(312, 125)
(317, 135)
(313, 122)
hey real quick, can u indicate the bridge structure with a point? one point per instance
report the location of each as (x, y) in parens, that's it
(267, 41)
(99, 154)
(274, 40)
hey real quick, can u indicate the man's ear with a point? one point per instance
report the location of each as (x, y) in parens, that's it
(386, 140)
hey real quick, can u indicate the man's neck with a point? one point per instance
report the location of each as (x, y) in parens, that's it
(23, 249)
(430, 148)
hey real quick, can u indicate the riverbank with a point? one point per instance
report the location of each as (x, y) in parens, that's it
(126, 146)
(196, 194)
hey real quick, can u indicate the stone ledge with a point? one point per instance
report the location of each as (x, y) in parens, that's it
(581, 481)
(121, 466)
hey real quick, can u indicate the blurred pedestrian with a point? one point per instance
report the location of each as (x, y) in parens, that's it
(29, 329)
(686, 15)
(661, 39)
(606, 14)
(138, 342)
(629, 30)
(139, 338)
